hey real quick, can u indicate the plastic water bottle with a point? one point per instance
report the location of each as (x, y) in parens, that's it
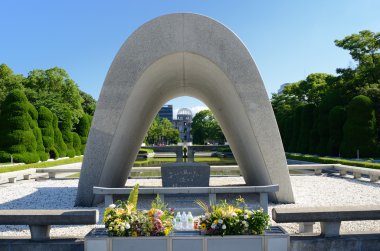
(190, 221)
(178, 221)
(184, 221)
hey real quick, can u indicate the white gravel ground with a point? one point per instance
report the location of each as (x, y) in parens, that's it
(308, 190)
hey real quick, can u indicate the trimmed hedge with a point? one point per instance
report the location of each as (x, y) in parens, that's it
(77, 145)
(359, 131)
(37, 133)
(59, 144)
(337, 117)
(144, 150)
(306, 125)
(66, 126)
(83, 128)
(331, 100)
(327, 160)
(45, 122)
(296, 129)
(18, 139)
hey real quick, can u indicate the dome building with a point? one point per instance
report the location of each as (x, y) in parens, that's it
(183, 124)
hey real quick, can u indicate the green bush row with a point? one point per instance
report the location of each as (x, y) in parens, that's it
(327, 160)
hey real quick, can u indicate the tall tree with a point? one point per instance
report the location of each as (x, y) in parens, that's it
(8, 82)
(205, 128)
(54, 89)
(89, 103)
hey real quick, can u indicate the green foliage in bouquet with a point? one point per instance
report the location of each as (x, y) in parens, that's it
(232, 219)
(124, 219)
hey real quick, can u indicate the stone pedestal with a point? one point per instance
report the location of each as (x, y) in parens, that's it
(185, 175)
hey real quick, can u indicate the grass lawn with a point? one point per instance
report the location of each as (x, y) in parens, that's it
(138, 163)
(4, 169)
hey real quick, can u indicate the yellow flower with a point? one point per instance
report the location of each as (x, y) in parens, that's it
(134, 233)
(119, 211)
(215, 221)
(238, 210)
(203, 226)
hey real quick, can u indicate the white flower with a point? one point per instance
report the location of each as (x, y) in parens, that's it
(122, 228)
(244, 222)
(245, 217)
(220, 221)
(127, 226)
(234, 214)
(112, 206)
(224, 226)
(207, 215)
(213, 226)
(108, 216)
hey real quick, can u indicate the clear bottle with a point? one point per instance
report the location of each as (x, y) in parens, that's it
(178, 221)
(190, 221)
(184, 221)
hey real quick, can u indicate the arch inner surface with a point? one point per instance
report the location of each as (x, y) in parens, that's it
(127, 107)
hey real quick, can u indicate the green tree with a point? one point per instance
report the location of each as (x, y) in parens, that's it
(8, 82)
(37, 133)
(66, 126)
(54, 89)
(89, 103)
(59, 144)
(359, 131)
(364, 48)
(45, 123)
(161, 131)
(18, 139)
(337, 117)
(205, 128)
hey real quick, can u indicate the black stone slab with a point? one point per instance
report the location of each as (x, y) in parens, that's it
(185, 175)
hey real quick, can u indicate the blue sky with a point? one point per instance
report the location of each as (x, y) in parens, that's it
(287, 39)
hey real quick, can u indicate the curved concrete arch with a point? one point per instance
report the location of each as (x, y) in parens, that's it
(183, 55)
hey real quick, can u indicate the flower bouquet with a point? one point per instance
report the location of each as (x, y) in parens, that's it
(123, 218)
(232, 219)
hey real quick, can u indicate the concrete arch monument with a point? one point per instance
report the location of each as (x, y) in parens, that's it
(183, 55)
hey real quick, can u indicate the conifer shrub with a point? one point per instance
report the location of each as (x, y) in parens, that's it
(314, 136)
(288, 124)
(83, 128)
(337, 117)
(66, 126)
(331, 100)
(359, 131)
(77, 145)
(296, 129)
(59, 144)
(45, 122)
(18, 138)
(37, 133)
(306, 124)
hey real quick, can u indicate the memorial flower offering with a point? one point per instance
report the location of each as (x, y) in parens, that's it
(124, 219)
(232, 219)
